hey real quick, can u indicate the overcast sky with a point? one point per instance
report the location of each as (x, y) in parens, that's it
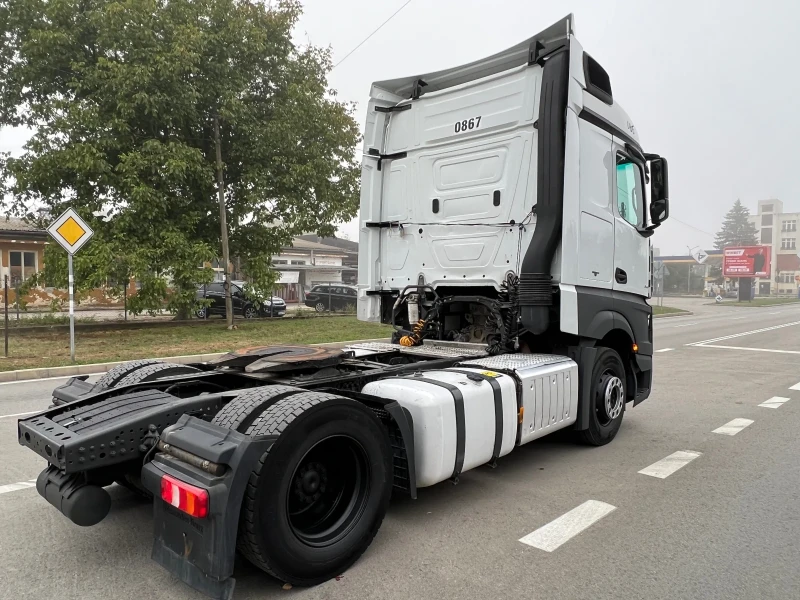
(711, 85)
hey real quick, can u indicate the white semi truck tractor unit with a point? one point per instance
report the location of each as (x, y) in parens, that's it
(506, 213)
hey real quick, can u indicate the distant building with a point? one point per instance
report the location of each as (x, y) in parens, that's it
(350, 260)
(307, 263)
(778, 230)
(21, 250)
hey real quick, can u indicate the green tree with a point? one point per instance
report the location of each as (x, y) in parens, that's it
(737, 230)
(121, 97)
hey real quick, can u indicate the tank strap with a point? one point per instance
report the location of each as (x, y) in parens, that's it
(498, 406)
(458, 400)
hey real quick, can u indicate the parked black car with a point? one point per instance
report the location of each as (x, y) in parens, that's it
(242, 306)
(332, 297)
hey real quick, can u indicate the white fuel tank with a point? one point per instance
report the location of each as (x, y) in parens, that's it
(463, 418)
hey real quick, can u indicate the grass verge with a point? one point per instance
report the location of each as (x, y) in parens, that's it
(667, 310)
(51, 348)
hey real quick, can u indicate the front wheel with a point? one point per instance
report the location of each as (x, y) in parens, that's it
(320, 307)
(608, 394)
(201, 313)
(250, 312)
(317, 498)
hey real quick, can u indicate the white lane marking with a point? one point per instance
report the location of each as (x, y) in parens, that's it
(666, 350)
(735, 335)
(774, 313)
(796, 387)
(20, 414)
(13, 487)
(733, 427)
(21, 381)
(686, 324)
(737, 318)
(667, 466)
(567, 526)
(774, 402)
(744, 348)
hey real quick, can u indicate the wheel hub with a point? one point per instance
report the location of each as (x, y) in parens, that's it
(614, 397)
(309, 483)
(328, 491)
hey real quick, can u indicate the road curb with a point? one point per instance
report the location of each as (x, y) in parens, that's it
(683, 313)
(95, 368)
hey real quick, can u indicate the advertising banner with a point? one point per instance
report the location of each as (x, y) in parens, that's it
(747, 261)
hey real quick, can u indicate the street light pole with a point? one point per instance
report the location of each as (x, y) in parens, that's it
(223, 222)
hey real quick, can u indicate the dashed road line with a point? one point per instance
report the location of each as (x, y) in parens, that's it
(559, 531)
(666, 350)
(20, 414)
(13, 487)
(667, 466)
(733, 427)
(796, 387)
(685, 325)
(21, 381)
(774, 402)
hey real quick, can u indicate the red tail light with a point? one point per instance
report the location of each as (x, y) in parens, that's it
(187, 498)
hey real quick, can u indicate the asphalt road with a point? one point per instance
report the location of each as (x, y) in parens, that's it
(725, 525)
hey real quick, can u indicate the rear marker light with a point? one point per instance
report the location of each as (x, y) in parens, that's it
(186, 498)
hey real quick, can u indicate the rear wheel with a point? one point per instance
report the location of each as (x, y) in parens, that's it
(608, 395)
(156, 371)
(320, 307)
(201, 313)
(317, 498)
(250, 312)
(112, 377)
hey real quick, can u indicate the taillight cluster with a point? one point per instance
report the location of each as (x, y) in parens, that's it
(187, 498)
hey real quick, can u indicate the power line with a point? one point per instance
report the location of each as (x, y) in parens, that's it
(692, 227)
(364, 41)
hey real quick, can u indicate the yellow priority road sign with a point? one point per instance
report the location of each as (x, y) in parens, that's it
(70, 231)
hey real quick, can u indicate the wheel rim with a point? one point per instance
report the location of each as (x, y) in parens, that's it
(328, 491)
(249, 312)
(610, 398)
(320, 307)
(201, 314)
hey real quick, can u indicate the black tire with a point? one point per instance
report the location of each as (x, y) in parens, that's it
(156, 371)
(330, 448)
(201, 313)
(320, 307)
(240, 413)
(112, 377)
(250, 312)
(608, 376)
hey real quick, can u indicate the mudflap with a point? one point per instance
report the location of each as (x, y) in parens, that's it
(201, 551)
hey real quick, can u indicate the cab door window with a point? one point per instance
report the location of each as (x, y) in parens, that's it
(630, 194)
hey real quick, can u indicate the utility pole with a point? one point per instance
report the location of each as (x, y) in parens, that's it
(223, 223)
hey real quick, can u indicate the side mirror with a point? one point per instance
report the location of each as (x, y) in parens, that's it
(659, 190)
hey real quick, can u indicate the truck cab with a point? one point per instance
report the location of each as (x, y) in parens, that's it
(520, 179)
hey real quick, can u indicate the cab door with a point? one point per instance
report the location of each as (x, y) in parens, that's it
(631, 245)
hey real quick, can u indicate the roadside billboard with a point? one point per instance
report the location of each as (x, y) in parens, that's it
(747, 261)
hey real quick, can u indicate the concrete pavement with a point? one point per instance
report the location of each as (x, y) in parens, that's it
(722, 522)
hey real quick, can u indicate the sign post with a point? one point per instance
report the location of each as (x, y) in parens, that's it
(71, 232)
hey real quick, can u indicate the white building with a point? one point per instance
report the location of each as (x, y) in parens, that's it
(778, 230)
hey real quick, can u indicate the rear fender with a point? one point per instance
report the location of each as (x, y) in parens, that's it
(74, 389)
(201, 552)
